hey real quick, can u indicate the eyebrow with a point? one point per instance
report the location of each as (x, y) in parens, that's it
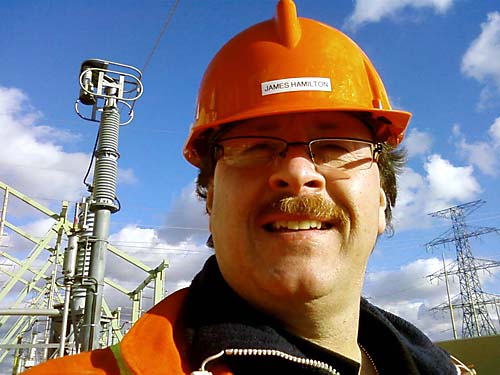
(327, 126)
(262, 127)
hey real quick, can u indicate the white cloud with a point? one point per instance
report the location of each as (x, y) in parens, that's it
(30, 161)
(32, 158)
(442, 186)
(126, 176)
(46, 133)
(449, 183)
(409, 293)
(482, 154)
(18, 246)
(187, 220)
(418, 143)
(11, 102)
(481, 61)
(494, 132)
(412, 192)
(409, 282)
(181, 243)
(185, 258)
(39, 228)
(366, 11)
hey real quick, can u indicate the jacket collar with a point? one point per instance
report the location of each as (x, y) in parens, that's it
(217, 319)
(192, 324)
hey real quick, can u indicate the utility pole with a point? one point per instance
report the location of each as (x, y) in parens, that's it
(107, 87)
(476, 320)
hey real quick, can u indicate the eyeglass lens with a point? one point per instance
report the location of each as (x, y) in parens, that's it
(328, 152)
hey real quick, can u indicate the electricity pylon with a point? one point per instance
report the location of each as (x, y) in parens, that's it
(476, 320)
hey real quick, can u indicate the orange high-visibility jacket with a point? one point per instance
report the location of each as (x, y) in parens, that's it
(154, 345)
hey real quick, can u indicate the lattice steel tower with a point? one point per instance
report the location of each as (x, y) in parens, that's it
(476, 320)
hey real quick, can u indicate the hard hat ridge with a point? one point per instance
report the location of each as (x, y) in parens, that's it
(287, 23)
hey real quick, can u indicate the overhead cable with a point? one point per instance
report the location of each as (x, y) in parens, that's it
(163, 29)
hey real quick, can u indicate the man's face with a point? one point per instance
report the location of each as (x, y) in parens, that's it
(272, 256)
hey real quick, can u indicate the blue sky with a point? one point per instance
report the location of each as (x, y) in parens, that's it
(439, 59)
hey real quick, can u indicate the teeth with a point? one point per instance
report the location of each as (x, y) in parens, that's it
(297, 225)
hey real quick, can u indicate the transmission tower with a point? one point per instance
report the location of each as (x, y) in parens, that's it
(476, 320)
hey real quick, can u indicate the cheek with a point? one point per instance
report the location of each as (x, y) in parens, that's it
(225, 188)
(360, 196)
(232, 195)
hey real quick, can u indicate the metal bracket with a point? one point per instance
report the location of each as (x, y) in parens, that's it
(102, 86)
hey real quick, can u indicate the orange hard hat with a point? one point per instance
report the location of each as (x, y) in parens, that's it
(288, 65)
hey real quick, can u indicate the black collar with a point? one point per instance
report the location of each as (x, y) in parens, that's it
(216, 318)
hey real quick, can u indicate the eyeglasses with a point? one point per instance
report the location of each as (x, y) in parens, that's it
(343, 154)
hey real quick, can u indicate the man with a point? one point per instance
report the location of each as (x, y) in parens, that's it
(296, 144)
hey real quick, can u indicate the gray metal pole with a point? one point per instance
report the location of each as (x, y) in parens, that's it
(99, 82)
(93, 302)
(69, 267)
(450, 303)
(85, 230)
(103, 204)
(29, 312)
(52, 290)
(495, 300)
(3, 215)
(64, 324)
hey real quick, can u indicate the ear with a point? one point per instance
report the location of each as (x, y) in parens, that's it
(382, 223)
(210, 197)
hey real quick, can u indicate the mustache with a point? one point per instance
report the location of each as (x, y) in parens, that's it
(312, 205)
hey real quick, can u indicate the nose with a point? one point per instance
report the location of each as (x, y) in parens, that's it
(296, 173)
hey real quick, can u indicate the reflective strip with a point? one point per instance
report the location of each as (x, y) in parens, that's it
(462, 369)
(122, 366)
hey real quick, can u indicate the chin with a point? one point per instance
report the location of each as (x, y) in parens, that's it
(300, 285)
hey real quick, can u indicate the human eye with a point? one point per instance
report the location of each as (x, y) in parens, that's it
(326, 150)
(257, 146)
(342, 154)
(249, 151)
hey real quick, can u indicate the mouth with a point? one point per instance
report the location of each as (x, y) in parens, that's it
(296, 225)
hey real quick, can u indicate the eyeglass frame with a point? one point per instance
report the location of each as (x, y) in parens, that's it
(375, 147)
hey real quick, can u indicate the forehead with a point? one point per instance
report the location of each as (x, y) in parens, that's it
(312, 125)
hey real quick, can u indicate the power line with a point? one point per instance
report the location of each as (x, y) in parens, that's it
(161, 250)
(163, 29)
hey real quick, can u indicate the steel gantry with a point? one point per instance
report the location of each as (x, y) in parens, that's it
(41, 305)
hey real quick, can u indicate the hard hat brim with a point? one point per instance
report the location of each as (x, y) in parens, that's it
(396, 121)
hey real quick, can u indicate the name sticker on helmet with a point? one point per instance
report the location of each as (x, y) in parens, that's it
(296, 84)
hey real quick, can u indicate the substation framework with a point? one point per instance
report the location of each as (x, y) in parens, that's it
(52, 296)
(43, 288)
